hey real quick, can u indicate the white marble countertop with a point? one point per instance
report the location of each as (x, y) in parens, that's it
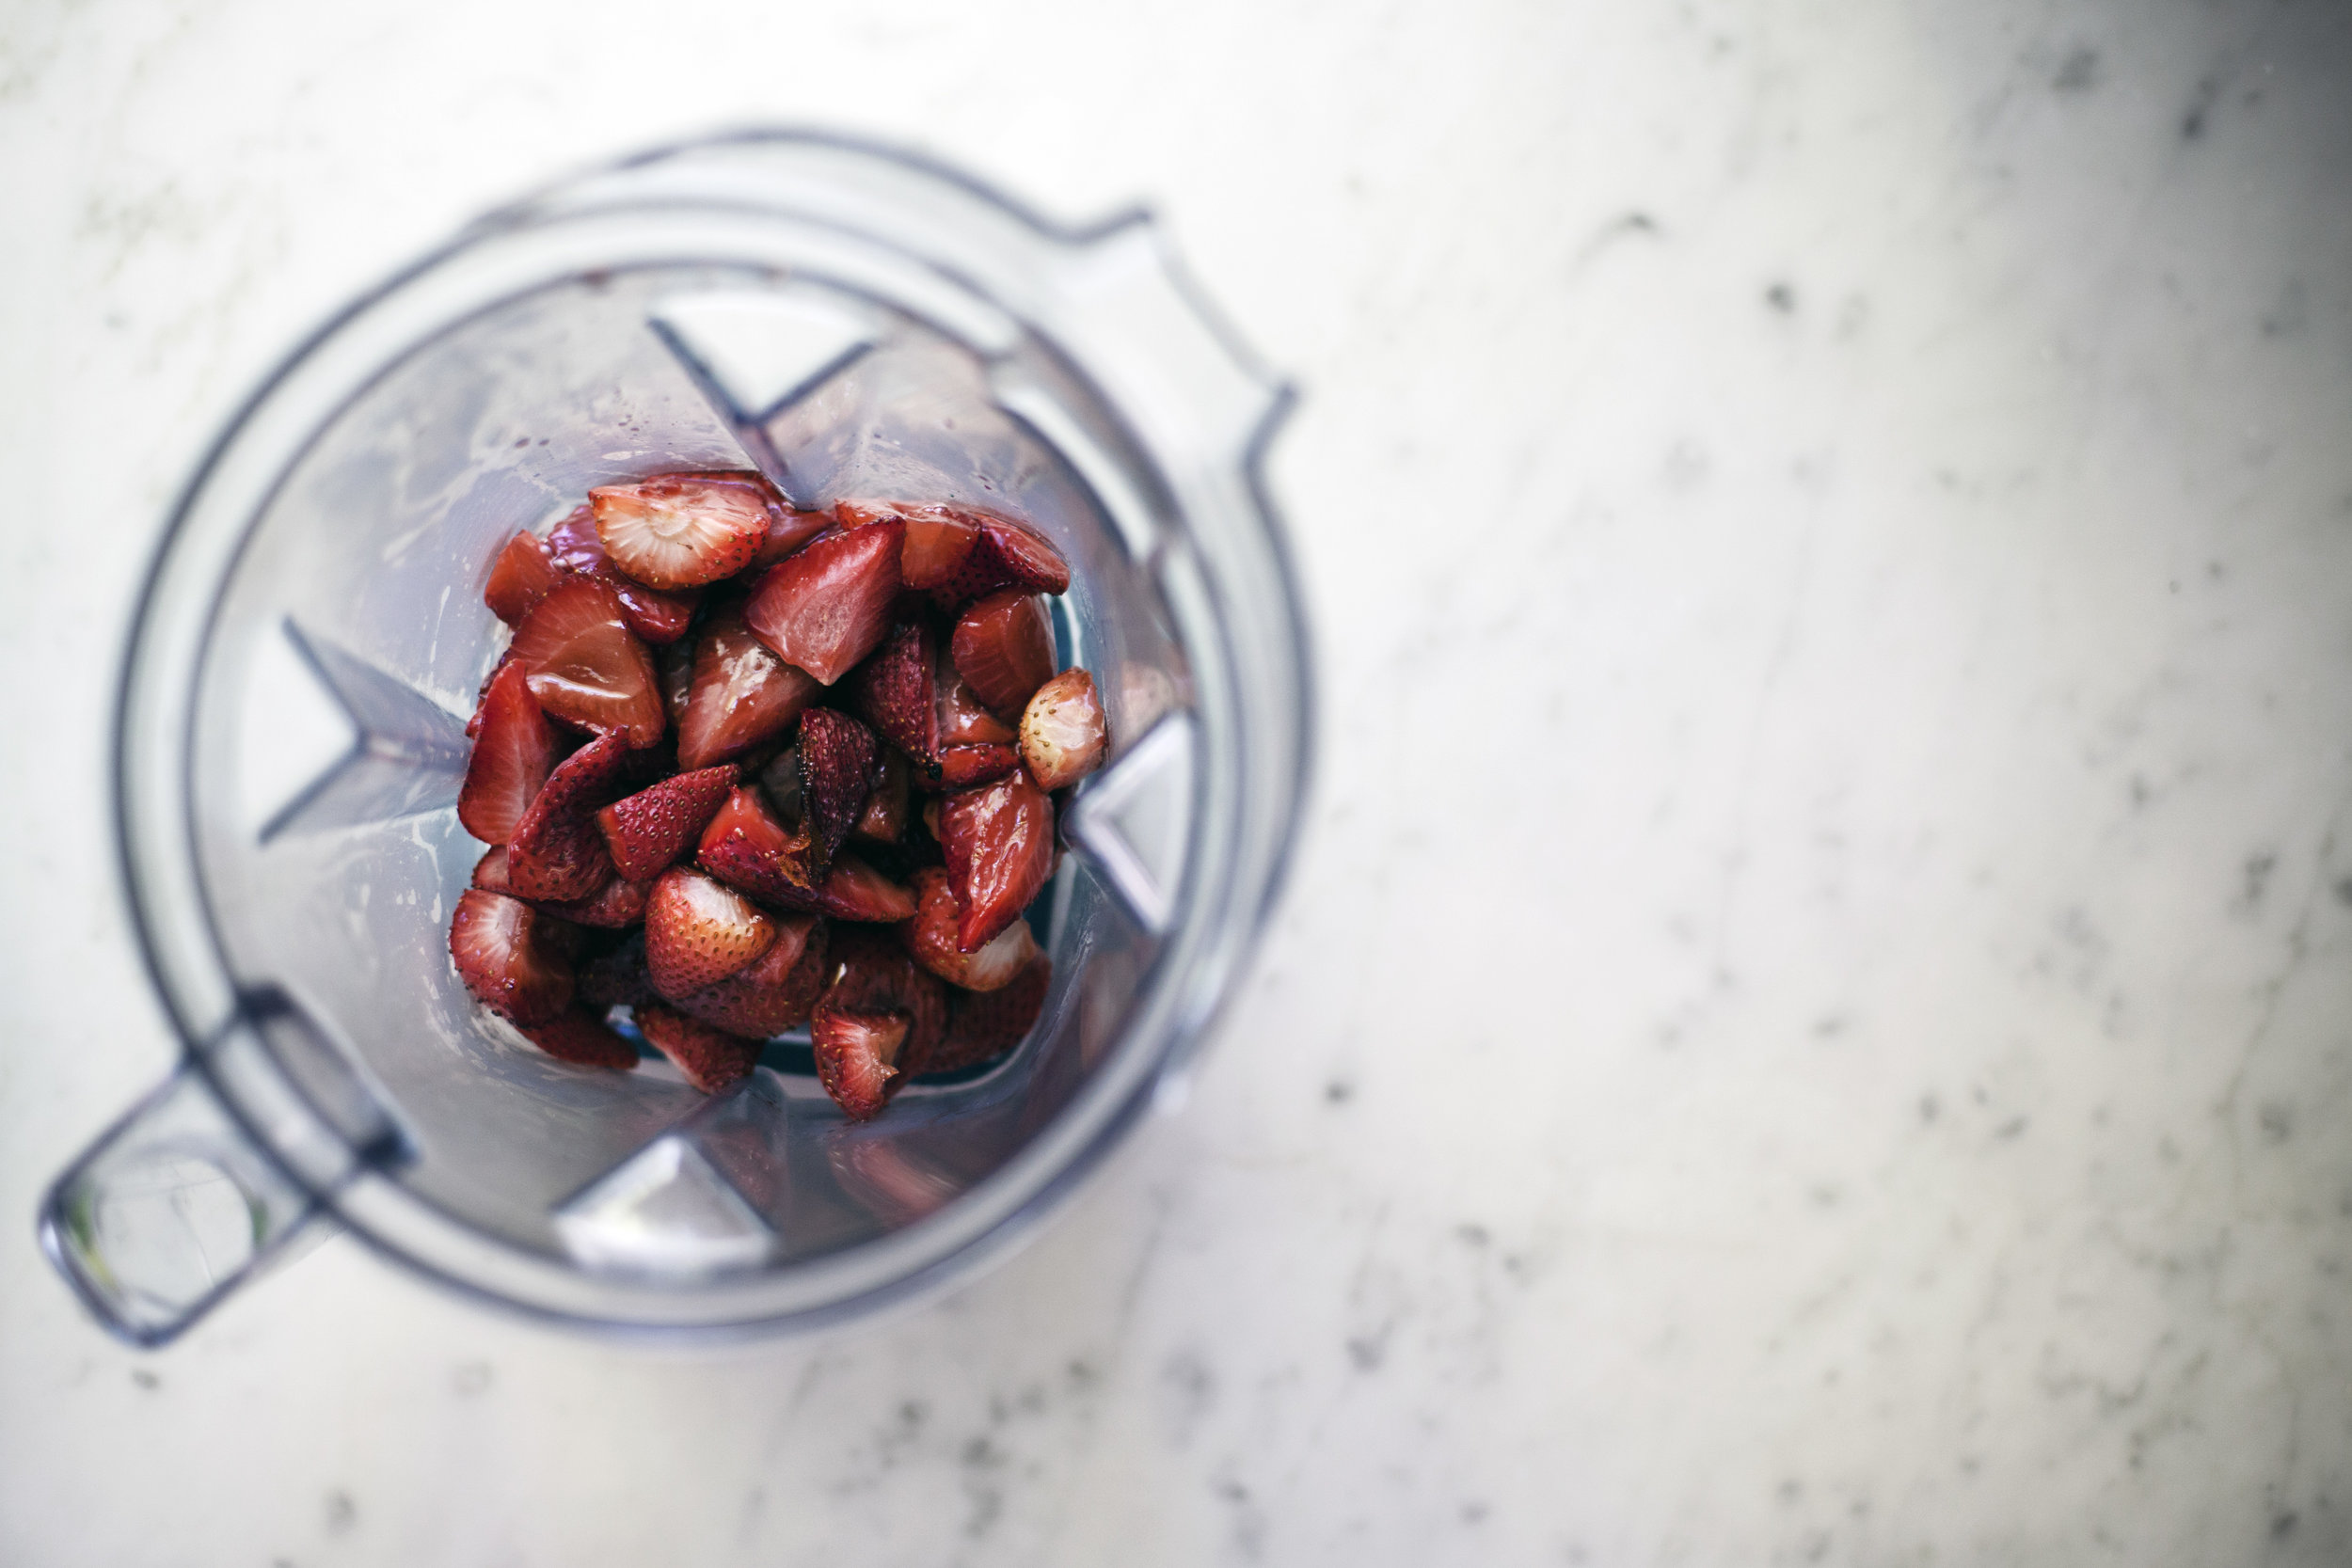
(1811, 1022)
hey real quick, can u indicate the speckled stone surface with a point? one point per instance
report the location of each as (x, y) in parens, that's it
(1814, 1023)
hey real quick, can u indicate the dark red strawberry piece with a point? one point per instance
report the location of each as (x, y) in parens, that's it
(787, 531)
(963, 719)
(512, 754)
(585, 665)
(555, 851)
(649, 830)
(956, 554)
(775, 995)
(884, 819)
(711, 1059)
(580, 1037)
(1062, 734)
(969, 767)
(504, 955)
(618, 978)
(615, 906)
(999, 844)
(745, 847)
(982, 1024)
(854, 1052)
(839, 762)
(653, 614)
(682, 531)
(523, 575)
(741, 694)
(698, 931)
(828, 607)
(1003, 646)
(872, 985)
(854, 890)
(489, 872)
(895, 691)
(929, 939)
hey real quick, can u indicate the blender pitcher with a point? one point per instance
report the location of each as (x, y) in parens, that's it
(292, 737)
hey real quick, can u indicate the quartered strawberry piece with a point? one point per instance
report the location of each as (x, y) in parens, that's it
(969, 767)
(877, 1005)
(512, 754)
(982, 1024)
(649, 830)
(682, 531)
(1062, 734)
(787, 531)
(963, 719)
(854, 890)
(1003, 646)
(999, 845)
(929, 939)
(618, 978)
(884, 818)
(711, 1059)
(741, 694)
(508, 954)
(829, 606)
(489, 872)
(956, 554)
(555, 851)
(584, 664)
(744, 847)
(523, 575)
(580, 1037)
(773, 994)
(656, 615)
(839, 762)
(698, 931)
(855, 1055)
(615, 906)
(895, 690)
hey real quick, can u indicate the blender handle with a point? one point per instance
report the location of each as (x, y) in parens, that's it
(170, 1210)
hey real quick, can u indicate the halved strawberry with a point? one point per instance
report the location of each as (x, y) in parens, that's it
(1062, 734)
(854, 1053)
(773, 994)
(999, 844)
(618, 976)
(657, 616)
(969, 767)
(503, 954)
(615, 906)
(1004, 647)
(884, 819)
(982, 1024)
(584, 664)
(837, 761)
(682, 531)
(828, 607)
(523, 575)
(512, 756)
(698, 931)
(647, 830)
(580, 1037)
(742, 694)
(555, 851)
(787, 531)
(895, 690)
(929, 939)
(711, 1059)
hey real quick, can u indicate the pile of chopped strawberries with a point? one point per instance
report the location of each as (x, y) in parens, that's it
(745, 768)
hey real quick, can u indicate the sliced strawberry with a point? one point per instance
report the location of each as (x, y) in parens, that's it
(839, 757)
(699, 931)
(618, 976)
(1062, 734)
(682, 531)
(585, 665)
(982, 1024)
(523, 575)
(504, 955)
(489, 872)
(512, 756)
(742, 694)
(711, 1059)
(615, 906)
(1004, 647)
(828, 607)
(854, 890)
(775, 993)
(556, 852)
(956, 554)
(787, 531)
(884, 819)
(969, 767)
(580, 1037)
(647, 830)
(854, 1053)
(895, 691)
(657, 616)
(999, 844)
(473, 725)
(1020, 557)
(929, 939)
(963, 719)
